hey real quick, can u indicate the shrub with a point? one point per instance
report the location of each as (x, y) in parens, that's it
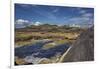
(23, 37)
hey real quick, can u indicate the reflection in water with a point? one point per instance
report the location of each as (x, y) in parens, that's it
(34, 53)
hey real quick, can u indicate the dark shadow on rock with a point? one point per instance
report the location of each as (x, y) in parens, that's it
(83, 48)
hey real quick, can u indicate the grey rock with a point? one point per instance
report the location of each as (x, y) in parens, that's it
(82, 49)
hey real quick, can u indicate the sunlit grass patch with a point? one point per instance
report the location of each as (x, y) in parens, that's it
(49, 45)
(53, 44)
(23, 37)
(61, 41)
(20, 61)
(25, 43)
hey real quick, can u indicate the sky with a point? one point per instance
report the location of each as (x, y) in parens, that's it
(29, 14)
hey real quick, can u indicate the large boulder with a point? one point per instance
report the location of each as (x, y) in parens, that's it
(82, 49)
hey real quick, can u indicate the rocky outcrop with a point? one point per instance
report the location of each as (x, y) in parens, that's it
(82, 49)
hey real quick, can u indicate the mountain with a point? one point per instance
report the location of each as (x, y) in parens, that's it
(82, 49)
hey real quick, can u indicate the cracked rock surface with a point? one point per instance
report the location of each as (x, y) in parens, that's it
(83, 48)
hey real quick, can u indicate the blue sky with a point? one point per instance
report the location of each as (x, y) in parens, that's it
(41, 14)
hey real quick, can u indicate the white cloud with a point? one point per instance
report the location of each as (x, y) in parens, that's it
(82, 11)
(37, 23)
(56, 10)
(87, 15)
(82, 20)
(21, 21)
(48, 15)
(77, 20)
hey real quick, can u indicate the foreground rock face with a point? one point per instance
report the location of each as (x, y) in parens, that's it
(82, 49)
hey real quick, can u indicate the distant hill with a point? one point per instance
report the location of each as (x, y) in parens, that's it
(49, 28)
(82, 49)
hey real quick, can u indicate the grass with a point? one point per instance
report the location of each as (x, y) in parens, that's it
(20, 61)
(49, 45)
(25, 43)
(57, 42)
(25, 38)
(60, 35)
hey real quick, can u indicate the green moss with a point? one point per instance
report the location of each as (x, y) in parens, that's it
(61, 41)
(55, 43)
(25, 43)
(23, 37)
(49, 45)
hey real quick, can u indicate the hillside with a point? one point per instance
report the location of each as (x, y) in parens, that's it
(49, 28)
